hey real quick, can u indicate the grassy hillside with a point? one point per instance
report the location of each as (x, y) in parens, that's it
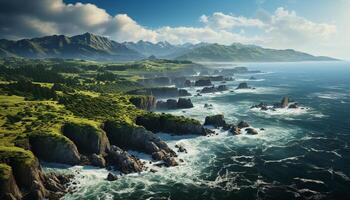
(246, 53)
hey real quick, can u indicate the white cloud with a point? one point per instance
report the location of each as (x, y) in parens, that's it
(220, 20)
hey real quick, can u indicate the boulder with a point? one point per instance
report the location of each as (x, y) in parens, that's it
(242, 86)
(97, 160)
(293, 106)
(183, 92)
(143, 102)
(184, 103)
(88, 139)
(208, 90)
(203, 82)
(111, 177)
(242, 124)
(215, 120)
(159, 155)
(54, 148)
(251, 131)
(170, 161)
(222, 88)
(284, 102)
(171, 104)
(235, 130)
(123, 161)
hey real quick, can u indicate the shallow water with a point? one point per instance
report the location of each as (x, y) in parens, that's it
(302, 153)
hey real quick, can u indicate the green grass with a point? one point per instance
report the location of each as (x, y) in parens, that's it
(5, 171)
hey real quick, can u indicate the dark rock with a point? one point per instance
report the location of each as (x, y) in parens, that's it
(183, 92)
(184, 103)
(222, 88)
(216, 78)
(144, 102)
(209, 90)
(252, 78)
(123, 161)
(235, 130)
(243, 86)
(159, 155)
(111, 177)
(251, 131)
(227, 126)
(132, 137)
(153, 170)
(293, 106)
(284, 102)
(208, 105)
(97, 160)
(171, 104)
(203, 82)
(8, 186)
(170, 161)
(88, 139)
(54, 148)
(243, 124)
(170, 124)
(262, 129)
(215, 120)
(162, 105)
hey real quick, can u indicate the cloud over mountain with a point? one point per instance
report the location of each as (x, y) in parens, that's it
(281, 29)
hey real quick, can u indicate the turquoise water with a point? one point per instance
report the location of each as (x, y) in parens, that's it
(301, 154)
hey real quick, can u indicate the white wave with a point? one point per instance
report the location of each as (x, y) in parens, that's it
(330, 95)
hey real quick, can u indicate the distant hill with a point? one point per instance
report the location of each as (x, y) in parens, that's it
(85, 46)
(93, 47)
(246, 53)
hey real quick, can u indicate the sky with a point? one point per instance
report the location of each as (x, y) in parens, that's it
(319, 27)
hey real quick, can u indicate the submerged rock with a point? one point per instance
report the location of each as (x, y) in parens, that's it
(215, 120)
(235, 130)
(208, 90)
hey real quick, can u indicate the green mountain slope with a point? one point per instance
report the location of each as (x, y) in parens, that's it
(246, 53)
(85, 46)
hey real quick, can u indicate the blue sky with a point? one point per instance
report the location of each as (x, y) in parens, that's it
(319, 27)
(157, 13)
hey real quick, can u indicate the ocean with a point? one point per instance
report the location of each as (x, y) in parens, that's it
(302, 153)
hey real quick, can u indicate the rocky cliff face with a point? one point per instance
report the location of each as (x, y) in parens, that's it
(21, 177)
(132, 137)
(170, 124)
(54, 148)
(88, 139)
(143, 102)
(161, 92)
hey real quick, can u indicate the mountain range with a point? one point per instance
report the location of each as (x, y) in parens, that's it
(93, 47)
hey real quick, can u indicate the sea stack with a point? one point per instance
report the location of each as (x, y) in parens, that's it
(284, 102)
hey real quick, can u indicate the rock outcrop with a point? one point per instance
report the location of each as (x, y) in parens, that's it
(170, 124)
(183, 93)
(221, 88)
(54, 148)
(128, 136)
(213, 89)
(8, 185)
(88, 139)
(242, 124)
(160, 92)
(184, 103)
(251, 131)
(143, 102)
(203, 82)
(215, 120)
(243, 86)
(123, 161)
(284, 102)
(170, 104)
